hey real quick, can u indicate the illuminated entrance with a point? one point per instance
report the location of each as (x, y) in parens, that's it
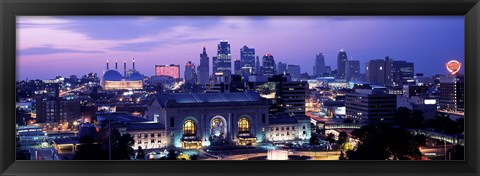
(244, 135)
(218, 131)
(189, 139)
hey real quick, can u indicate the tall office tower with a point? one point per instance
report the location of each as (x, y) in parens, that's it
(168, 70)
(282, 68)
(341, 64)
(237, 67)
(352, 71)
(247, 59)
(190, 73)
(257, 66)
(319, 67)
(403, 73)
(222, 64)
(379, 72)
(294, 71)
(452, 93)
(203, 68)
(268, 65)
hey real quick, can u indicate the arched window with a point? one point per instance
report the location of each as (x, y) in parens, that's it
(243, 124)
(189, 128)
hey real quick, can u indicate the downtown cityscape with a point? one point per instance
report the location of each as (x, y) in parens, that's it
(234, 88)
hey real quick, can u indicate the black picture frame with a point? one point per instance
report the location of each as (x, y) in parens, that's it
(11, 8)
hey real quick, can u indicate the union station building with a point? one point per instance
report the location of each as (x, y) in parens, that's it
(193, 120)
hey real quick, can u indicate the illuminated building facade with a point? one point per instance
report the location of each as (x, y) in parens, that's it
(168, 70)
(194, 120)
(222, 63)
(113, 80)
(452, 93)
(283, 129)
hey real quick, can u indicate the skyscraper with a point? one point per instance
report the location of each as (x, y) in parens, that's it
(341, 64)
(402, 72)
(281, 68)
(257, 66)
(319, 67)
(294, 71)
(352, 71)
(379, 71)
(268, 65)
(190, 73)
(237, 67)
(247, 59)
(203, 68)
(222, 64)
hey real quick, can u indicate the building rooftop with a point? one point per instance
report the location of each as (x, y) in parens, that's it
(66, 141)
(248, 96)
(282, 120)
(144, 126)
(119, 117)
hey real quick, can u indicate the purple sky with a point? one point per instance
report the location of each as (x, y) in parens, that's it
(50, 46)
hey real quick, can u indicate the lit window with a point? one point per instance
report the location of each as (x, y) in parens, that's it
(189, 128)
(243, 124)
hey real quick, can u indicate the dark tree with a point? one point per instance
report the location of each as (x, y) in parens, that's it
(314, 140)
(342, 156)
(140, 153)
(342, 137)
(407, 118)
(330, 138)
(90, 149)
(382, 142)
(172, 155)
(121, 145)
(443, 123)
(457, 153)
(347, 120)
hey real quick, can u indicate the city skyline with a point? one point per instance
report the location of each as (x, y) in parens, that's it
(177, 40)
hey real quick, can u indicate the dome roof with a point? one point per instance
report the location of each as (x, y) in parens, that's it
(112, 75)
(135, 76)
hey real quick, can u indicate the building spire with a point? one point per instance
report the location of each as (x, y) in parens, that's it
(133, 63)
(125, 68)
(107, 65)
(116, 65)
